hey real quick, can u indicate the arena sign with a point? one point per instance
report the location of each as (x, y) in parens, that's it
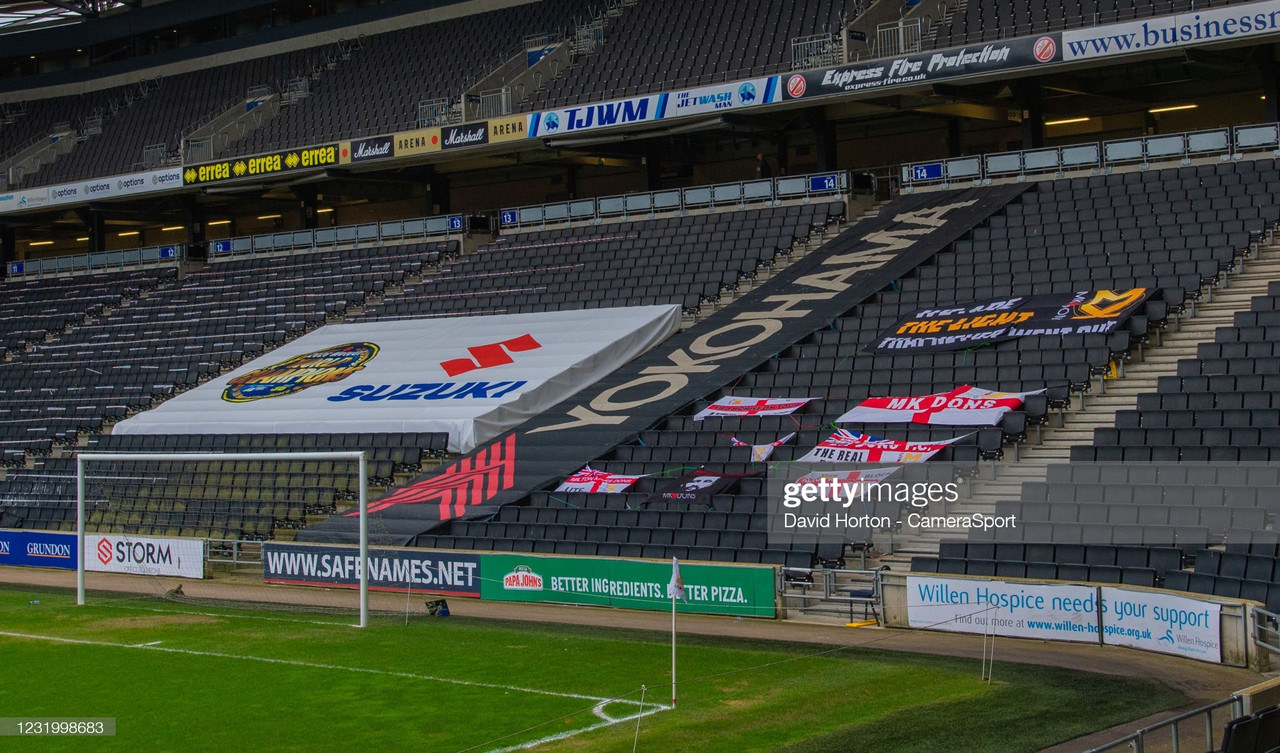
(473, 377)
(262, 164)
(925, 67)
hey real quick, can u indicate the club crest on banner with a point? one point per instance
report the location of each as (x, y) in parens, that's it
(300, 372)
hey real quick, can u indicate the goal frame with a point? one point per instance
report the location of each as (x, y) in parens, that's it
(357, 455)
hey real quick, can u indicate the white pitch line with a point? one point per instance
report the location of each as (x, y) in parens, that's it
(598, 709)
(309, 665)
(598, 725)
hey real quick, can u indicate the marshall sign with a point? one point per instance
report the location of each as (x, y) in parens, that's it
(381, 147)
(471, 134)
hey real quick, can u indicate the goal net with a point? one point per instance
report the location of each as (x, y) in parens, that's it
(193, 528)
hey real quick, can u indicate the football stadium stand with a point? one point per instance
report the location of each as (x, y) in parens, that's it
(1142, 454)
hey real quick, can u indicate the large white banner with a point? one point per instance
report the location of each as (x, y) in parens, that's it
(1163, 623)
(473, 377)
(143, 555)
(1167, 32)
(1016, 610)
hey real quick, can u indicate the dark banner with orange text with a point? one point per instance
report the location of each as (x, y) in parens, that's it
(958, 327)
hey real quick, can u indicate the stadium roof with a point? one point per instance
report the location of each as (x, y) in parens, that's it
(29, 15)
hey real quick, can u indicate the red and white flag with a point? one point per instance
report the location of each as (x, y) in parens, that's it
(761, 452)
(752, 406)
(590, 480)
(963, 406)
(849, 447)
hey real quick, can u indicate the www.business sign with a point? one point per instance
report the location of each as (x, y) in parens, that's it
(1169, 32)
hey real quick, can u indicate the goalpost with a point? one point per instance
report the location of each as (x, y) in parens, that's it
(150, 493)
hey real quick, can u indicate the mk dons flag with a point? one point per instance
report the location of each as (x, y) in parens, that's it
(963, 406)
(752, 406)
(849, 447)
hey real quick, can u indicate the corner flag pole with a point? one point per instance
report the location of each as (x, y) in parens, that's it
(675, 589)
(673, 648)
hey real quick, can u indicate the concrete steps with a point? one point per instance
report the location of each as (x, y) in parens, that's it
(1003, 479)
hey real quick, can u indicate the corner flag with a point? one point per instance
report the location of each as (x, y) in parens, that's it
(675, 588)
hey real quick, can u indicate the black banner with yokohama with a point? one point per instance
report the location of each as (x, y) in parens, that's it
(958, 327)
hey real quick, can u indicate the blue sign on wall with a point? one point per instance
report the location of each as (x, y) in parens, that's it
(38, 549)
(510, 217)
(930, 171)
(824, 183)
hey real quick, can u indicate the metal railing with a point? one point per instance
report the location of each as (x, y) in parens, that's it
(1168, 735)
(233, 552)
(765, 191)
(817, 51)
(842, 591)
(438, 112)
(1097, 157)
(1266, 629)
(372, 233)
(901, 37)
(105, 261)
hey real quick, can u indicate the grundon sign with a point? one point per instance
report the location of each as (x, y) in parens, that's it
(262, 164)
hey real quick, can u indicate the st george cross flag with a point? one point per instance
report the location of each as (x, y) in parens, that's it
(590, 480)
(963, 406)
(849, 447)
(675, 588)
(752, 406)
(761, 452)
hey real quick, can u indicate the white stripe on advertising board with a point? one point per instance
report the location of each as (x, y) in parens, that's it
(144, 555)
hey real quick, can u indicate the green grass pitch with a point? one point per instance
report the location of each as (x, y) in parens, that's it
(185, 678)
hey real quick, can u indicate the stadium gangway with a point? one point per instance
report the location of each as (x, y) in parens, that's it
(105, 261)
(830, 591)
(1097, 157)
(763, 192)
(1167, 735)
(344, 236)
